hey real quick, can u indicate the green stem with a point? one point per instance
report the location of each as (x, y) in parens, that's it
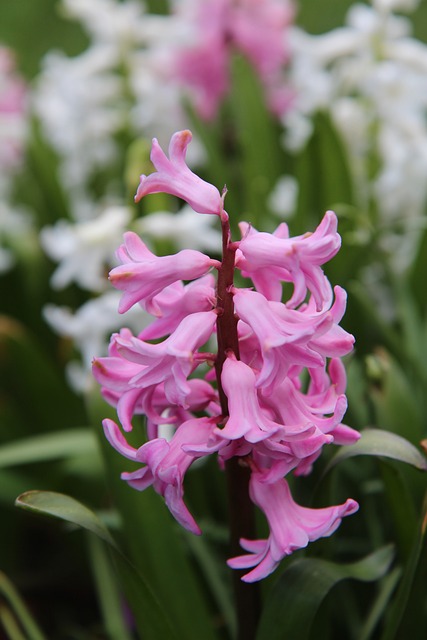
(241, 509)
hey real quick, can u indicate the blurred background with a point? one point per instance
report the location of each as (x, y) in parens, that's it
(82, 92)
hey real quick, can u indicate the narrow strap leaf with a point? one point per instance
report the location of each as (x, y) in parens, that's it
(150, 616)
(376, 442)
(59, 505)
(293, 602)
(48, 446)
(17, 606)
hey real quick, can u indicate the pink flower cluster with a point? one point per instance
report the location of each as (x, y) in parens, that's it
(255, 28)
(13, 94)
(248, 399)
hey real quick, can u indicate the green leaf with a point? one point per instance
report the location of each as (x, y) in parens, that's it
(48, 446)
(212, 573)
(376, 442)
(397, 402)
(23, 616)
(294, 600)
(401, 506)
(261, 156)
(9, 624)
(417, 271)
(332, 159)
(29, 377)
(151, 618)
(403, 599)
(108, 592)
(59, 505)
(155, 542)
(380, 604)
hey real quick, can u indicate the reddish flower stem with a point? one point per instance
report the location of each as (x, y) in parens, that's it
(241, 509)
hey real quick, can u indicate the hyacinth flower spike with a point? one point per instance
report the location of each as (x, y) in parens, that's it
(249, 405)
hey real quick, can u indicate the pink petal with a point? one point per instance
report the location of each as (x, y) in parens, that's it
(173, 176)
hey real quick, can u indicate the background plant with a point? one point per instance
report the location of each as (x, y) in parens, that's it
(85, 586)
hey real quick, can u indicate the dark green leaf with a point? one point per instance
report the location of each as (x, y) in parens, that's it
(49, 446)
(294, 600)
(260, 153)
(403, 596)
(110, 602)
(376, 442)
(59, 505)
(154, 542)
(151, 618)
(11, 595)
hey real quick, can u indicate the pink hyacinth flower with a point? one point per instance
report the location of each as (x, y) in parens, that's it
(13, 106)
(176, 302)
(256, 29)
(143, 275)
(268, 280)
(166, 463)
(259, 31)
(300, 258)
(291, 527)
(203, 67)
(246, 417)
(284, 335)
(171, 361)
(174, 176)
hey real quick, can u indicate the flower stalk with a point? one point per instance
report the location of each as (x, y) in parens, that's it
(240, 507)
(260, 419)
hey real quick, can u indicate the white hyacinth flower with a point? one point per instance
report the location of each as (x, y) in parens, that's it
(183, 229)
(121, 84)
(369, 76)
(89, 328)
(85, 250)
(15, 224)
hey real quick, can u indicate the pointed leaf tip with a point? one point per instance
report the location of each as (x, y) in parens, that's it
(63, 507)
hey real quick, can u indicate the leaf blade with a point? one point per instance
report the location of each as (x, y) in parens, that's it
(294, 600)
(376, 442)
(48, 446)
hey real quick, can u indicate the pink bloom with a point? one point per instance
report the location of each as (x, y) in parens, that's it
(278, 405)
(246, 417)
(299, 259)
(166, 463)
(13, 99)
(171, 361)
(143, 275)
(176, 302)
(284, 335)
(295, 407)
(267, 280)
(173, 176)
(291, 527)
(13, 94)
(257, 29)
(203, 68)
(134, 370)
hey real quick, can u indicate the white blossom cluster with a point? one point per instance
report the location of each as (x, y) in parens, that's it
(371, 77)
(13, 132)
(85, 251)
(118, 85)
(368, 75)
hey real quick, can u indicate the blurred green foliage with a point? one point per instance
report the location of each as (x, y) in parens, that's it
(73, 597)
